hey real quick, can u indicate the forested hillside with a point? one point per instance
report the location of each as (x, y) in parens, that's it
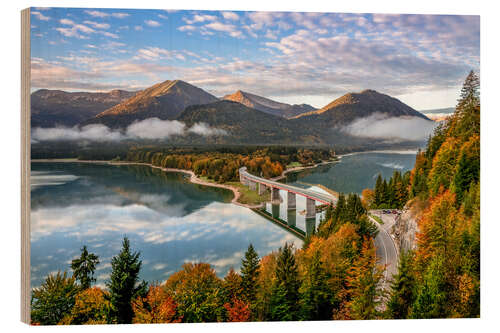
(442, 277)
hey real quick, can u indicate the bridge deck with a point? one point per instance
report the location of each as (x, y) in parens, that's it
(317, 196)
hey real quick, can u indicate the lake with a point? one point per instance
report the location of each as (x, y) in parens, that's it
(167, 218)
(355, 172)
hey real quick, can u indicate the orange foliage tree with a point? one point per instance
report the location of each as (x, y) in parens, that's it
(237, 310)
(91, 307)
(156, 307)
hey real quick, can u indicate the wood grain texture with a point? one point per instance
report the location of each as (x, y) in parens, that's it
(25, 164)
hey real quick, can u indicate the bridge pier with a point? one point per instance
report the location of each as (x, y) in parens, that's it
(291, 200)
(275, 194)
(310, 208)
(262, 188)
(275, 211)
(291, 217)
(310, 225)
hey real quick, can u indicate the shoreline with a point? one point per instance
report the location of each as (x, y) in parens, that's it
(236, 192)
(192, 177)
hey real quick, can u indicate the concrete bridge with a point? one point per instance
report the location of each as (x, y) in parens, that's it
(261, 184)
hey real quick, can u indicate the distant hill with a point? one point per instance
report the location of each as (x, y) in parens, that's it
(351, 106)
(164, 100)
(267, 105)
(439, 114)
(50, 108)
(247, 125)
(443, 110)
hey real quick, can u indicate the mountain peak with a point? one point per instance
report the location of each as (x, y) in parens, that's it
(357, 105)
(164, 100)
(267, 105)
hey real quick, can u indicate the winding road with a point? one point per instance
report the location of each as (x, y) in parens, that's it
(387, 252)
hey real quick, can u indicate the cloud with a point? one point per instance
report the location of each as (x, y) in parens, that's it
(230, 16)
(229, 28)
(75, 29)
(379, 125)
(96, 13)
(40, 16)
(96, 132)
(147, 129)
(96, 24)
(206, 130)
(186, 28)
(154, 128)
(120, 15)
(152, 23)
(197, 18)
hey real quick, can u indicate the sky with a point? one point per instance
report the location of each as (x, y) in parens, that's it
(291, 57)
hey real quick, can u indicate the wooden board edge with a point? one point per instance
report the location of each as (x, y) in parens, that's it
(25, 165)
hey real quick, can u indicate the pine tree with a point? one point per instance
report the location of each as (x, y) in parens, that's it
(378, 191)
(315, 294)
(386, 195)
(431, 299)
(285, 291)
(124, 283)
(249, 274)
(402, 289)
(84, 268)
(362, 281)
(232, 286)
(470, 94)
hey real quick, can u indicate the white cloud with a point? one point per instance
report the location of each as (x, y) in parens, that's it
(152, 23)
(96, 25)
(120, 15)
(40, 16)
(229, 28)
(206, 130)
(197, 18)
(66, 22)
(379, 125)
(154, 128)
(230, 16)
(96, 132)
(138, 28)
(186, 28)
(96, 13)
(150, 129)
(75, 29)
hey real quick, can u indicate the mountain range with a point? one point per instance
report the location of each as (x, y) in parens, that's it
(50, 108)
(244, 117)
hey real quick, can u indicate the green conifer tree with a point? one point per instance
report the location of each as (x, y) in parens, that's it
(249, 274)
(315, 295)
(402, 289)
(84, 268)
(124, 283)
(285, 291)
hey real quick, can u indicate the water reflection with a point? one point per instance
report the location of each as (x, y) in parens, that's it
(295, 216)
(168, 219)
(354, 172)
